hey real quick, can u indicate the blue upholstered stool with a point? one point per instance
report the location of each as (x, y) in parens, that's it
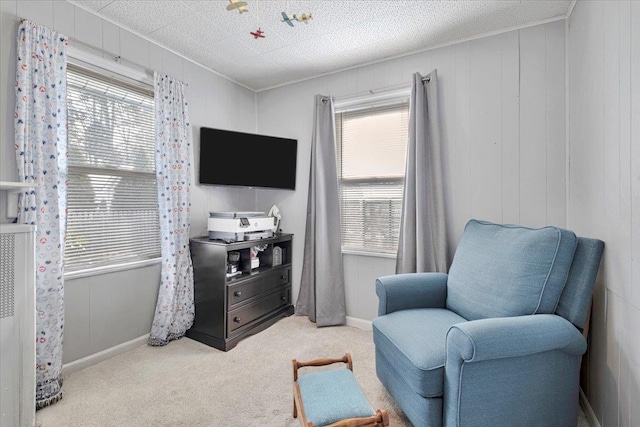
(332, 398)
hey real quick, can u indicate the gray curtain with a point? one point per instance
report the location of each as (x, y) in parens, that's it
(321, 295)
(423, 244)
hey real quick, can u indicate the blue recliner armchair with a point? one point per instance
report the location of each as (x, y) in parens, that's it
(496, 342)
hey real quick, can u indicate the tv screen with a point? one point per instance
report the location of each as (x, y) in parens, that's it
(245, 159)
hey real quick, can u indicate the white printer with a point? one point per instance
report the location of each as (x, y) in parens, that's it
(239, 226)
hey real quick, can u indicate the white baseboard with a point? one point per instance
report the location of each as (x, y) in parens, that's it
(588, 410)
(93, 359)
(359, 323)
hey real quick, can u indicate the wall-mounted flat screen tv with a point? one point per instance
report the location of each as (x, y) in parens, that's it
(246, 159)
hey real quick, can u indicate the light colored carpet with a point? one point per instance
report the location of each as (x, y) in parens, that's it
(187, 383)
(190, 384)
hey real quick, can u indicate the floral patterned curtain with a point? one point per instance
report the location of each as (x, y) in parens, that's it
(175, 310)
(41, 155)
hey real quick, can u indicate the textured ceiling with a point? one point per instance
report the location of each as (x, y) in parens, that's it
(342, 34)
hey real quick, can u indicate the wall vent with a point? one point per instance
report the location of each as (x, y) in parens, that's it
(7, 275)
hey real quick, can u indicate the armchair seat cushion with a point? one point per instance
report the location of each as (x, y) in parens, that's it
(415, 341)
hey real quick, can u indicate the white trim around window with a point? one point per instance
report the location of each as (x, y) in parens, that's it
(107, 67)
(106, 269)
(346, 251)
(371, 184)
(103, 168)
(373, 99)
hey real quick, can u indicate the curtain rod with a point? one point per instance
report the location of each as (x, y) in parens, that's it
(117, 58)
(424, 79)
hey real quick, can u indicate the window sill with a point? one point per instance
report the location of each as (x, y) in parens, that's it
(365, 253)
(95, 271)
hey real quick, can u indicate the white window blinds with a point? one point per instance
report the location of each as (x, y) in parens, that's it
(112, 196)
(372, 147)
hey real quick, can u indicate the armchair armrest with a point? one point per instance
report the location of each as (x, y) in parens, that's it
(411, 290)
(520, 370)
(504, 337)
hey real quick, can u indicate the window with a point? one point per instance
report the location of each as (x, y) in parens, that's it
(372, 147)
(112, 200)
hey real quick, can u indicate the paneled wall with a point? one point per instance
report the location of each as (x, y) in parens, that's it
(106, 310)
(503, 115)
(604, 194)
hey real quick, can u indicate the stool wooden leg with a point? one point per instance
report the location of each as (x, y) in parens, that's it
(295, 378)
(384, 417)
(295, 409)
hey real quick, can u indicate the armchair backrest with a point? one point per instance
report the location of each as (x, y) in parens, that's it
(576, 296)
(509, 270)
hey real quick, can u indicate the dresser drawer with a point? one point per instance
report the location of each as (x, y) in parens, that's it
(256, 286)
(254, 310)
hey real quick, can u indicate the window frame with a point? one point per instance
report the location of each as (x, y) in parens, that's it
(126, 76)
(384, 98)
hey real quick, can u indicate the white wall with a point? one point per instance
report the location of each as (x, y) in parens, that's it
(503, 103)
(503, 114)
(604, 194)
(107, 310)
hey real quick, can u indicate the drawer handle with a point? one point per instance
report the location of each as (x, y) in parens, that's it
(283, 277)
(236, 319)
(283, 298)
(237, 293)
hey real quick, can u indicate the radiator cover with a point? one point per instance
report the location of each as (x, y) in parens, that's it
(17, 325)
